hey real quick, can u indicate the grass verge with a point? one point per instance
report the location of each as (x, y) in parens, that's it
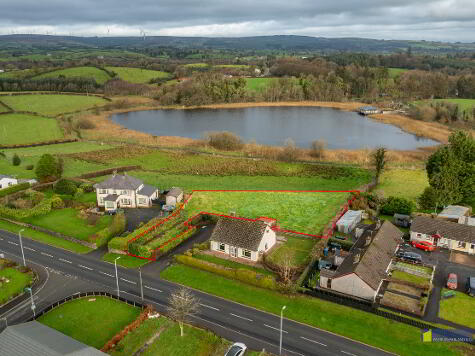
(125, 260)
(459, 309)
(17, 281)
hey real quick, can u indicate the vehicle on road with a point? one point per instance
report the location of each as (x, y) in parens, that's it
(423, 245)
(409, 256)
(452, 281)
(471, 286)
(236, 349)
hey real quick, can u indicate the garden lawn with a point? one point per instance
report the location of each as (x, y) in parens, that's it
(125, 260)
(297, 247)
(404, 276)
(52, 104)
(45, 238)
(18, 282)
(23, 128)
(91, 322)
(403, 183)
(458, 309)
(231, 264)
(67, 222)
(138, 75)
(302, 212)
(97, 74)
(349, 322)
(258, 84)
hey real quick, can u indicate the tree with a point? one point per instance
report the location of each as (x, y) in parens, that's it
(429, 199)
(65, 186)
(379, 161)
(182, 305)
(47, 168)
(398, 205)
(286, 267)
(16, 160)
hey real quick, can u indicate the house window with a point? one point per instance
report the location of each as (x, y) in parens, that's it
(246, 253)
(461, 244)
(473, 246)
(265, 247)
(10, 184)
(125, 201)
(142, 201)
(101, 200)
(124, 192)
(102, 191)
(419, 235)
(222, 247)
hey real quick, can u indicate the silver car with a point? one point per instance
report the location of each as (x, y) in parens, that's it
(237, 349)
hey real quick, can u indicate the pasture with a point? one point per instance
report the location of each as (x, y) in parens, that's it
(137, 75)
(394, 72)
(99, 75)
(23, 128)
(258, 84)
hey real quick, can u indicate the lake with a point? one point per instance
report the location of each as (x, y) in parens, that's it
(273, 125)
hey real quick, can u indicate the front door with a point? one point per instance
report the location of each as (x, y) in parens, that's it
(233, 251)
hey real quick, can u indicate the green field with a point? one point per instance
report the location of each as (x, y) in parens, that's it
(298, 248)
(465, 104)
(258, 84)
(91, 322)
(236, 66)
(350, 322)
(23, 128)
(97, 74)
(403, 183)
(394, 72)
(18, 281)
(51, 104)
(458, 309)
(196, 65)
(302, 212)
(137, 75)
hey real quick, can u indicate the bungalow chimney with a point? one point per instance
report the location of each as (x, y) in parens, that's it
(357, 258)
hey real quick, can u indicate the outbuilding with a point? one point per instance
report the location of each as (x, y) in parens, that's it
(7, 181)
(174, 196)
(349, 220)
(454, 212)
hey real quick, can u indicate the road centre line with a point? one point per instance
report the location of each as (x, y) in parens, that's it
(89, 268)
(126, 280)
(13, 243)
(29, 248)
(316, 342)
(348, 353)
(46, 254)
(271, 327)
(107, 274)
(63, 260)
(209, 306)
(241, 317)
(155, 289)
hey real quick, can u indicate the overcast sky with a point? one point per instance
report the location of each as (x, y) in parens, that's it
(448, 20)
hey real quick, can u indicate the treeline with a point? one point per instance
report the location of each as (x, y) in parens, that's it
(51, 84)
(442, 112)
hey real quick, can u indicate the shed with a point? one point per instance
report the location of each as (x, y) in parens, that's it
(174, 196)
(349, 220)
(454, 212)
(402, 220)
(368, 110)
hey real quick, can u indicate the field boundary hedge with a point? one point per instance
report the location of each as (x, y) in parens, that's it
(107, 171)
(55, 93)
(14, 189)
(43, 143)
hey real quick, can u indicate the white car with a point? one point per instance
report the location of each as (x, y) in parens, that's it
(236, 349)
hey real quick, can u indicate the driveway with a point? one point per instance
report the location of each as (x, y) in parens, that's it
(141, 215)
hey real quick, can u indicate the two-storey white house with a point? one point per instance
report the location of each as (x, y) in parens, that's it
(7, 181)
(124, 191)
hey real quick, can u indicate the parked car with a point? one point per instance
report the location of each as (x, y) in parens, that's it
(236, 349)
(410, 256)
(423, 245)
(452, 281)
(168, 207)
(471, 286)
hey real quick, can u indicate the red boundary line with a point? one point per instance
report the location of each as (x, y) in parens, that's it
(191, 227)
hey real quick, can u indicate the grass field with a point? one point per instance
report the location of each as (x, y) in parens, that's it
(258, 84)
(298, 247)
(124, 260)
(404, 183)
(196, 65)
(97, 74)
(302, 212)
(458, 309)
(67, 222)
(137, 75)
(17, 282)
(394, 72)
(91, 322)
(23, 128)
(464, 104)
(51, 104)
(236, 66)
(349, 322)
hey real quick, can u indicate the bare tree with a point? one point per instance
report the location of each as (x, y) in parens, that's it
(286, 267)
(182, 305)
(379, 161)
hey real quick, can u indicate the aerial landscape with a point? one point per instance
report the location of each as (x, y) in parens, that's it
(265, 179)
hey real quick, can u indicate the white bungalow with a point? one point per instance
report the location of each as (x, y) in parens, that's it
(7, 181)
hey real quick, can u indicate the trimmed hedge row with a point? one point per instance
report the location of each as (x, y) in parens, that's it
(240, 274)
(13, 189)
(43, 143)
(107, 171)
(43, 208)
(345, 244)
(116, 227)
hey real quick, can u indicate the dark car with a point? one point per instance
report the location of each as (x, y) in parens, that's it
(471, 286)
(409, 256)
(237, 349)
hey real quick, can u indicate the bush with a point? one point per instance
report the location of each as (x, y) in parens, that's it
(29, 167)
(43, 208)
(87, 188)
(47, 169)
(290, 152)
(224, 141)
(117, 243)
(395, 205)
(85, 124)
(317, 149)
(16, 160)
(57, 202)
(65, 186)
(13, 189)
(428, 199)
(116, 227)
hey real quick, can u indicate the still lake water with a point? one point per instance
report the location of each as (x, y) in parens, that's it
(273, 125)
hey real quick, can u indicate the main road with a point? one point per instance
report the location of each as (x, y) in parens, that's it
(258, 329)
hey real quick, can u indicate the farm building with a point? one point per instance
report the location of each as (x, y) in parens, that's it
(7, 181)
(368, 110)
(443, 233)
(366, 266)
(174, 196)
(349, 220)
(243, 238)
(124, 191)
(454, 212)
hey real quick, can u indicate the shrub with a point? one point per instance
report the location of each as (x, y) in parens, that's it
(29, 167)
(116, 227)
(317, 149)
(117, 243)
(57, 202)
(85, 124)
(13, 189)
(290, 152)
(224, 141)
(16, 160)
(47, 168)
(65, 186)
(428, 199)
(398, 205)
(87, 188)
(43, 208)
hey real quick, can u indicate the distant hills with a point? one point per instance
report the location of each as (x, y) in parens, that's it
(258, 43)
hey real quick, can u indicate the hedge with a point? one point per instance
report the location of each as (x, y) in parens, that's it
(118, 243)
(43, 208)
(13, 189)
(240, 274)
(116, 227)
(345, 244)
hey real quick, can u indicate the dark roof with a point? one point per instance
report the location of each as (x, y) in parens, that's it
(239, 232)
(5, 176)
(147, 190)
(174, 192)
(370, 256)
(111, 197)
(36, 339)
(120, 182)
(447, 229)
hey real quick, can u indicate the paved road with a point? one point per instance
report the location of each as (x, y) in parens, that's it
(231, 320)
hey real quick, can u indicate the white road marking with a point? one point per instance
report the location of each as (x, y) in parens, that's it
(209, 306)
(240, 317)
(275, 328)
(89, 268)
(46, 254)
(13, 243)
(316, 342)
(1, 239)
(126, 280)
(155, 289)
(348, 353)
(29, 248)
(63, 260)
(107, 274)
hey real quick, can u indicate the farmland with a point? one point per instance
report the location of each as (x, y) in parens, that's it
(258, 84)
(137, 75)
(394, 72)
(51, 104)
(97, 74)
(24, 128)
(406, 183)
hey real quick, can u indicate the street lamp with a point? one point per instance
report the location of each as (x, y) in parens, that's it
(141, 287)
(33, 306)
(21, 246)
(116, 277)
(281, 321)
